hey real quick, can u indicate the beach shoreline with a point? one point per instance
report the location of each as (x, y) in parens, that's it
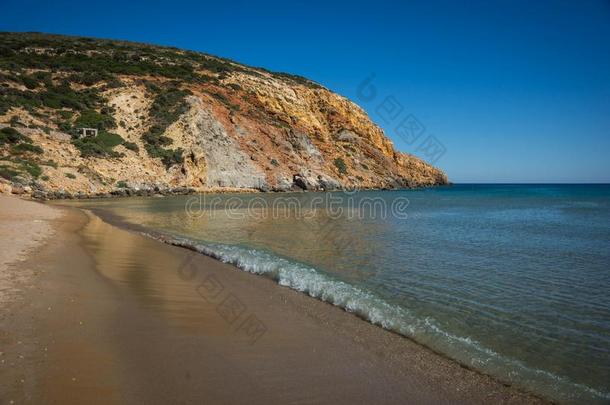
(113, 316)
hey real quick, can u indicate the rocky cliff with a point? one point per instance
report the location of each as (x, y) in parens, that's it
(172, 119)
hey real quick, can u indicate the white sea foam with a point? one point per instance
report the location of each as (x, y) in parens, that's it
(378, 311)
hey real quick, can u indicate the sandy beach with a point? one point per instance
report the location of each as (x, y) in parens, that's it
(96, 314)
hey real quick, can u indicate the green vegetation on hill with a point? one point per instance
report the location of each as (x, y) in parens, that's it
(54, 97)
(101, 145)
(22, 150)
(25, 148)
(341, 166)
(170, 103)
(13, 167)
(100, 59)
(10, 135)
(20, 144)
(94, 119)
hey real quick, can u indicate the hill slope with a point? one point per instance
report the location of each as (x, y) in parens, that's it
(169, 118)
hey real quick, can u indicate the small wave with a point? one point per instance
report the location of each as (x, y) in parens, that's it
(380, 312)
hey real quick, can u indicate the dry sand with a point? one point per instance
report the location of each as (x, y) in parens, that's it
(23, 226)
(109, 316)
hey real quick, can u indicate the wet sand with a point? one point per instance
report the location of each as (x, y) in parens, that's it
(112, 316)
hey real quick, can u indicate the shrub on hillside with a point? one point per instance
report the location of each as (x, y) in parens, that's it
(341, 166)
(131, 146)
(94, 119)
(10, 135)
(26, 147)
(19, 167)
(100, 146)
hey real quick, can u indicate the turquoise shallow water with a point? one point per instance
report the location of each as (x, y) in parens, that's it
(513, 280)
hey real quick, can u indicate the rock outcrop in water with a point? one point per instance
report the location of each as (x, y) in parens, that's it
(169, 119)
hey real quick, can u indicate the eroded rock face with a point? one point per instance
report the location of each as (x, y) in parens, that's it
(304, 147)
(212, 157)
(243, 128)
(227, 165)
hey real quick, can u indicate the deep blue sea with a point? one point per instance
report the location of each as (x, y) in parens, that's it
(512, 280)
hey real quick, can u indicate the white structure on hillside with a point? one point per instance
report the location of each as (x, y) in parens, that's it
(86, 132)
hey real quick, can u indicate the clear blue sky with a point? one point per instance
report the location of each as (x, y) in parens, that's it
(515, 91)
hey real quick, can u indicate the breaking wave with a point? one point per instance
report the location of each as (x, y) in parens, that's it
(374, 309)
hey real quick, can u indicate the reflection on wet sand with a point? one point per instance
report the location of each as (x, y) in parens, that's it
(151, 275)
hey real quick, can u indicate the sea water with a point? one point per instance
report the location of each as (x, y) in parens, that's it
(512, 280)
